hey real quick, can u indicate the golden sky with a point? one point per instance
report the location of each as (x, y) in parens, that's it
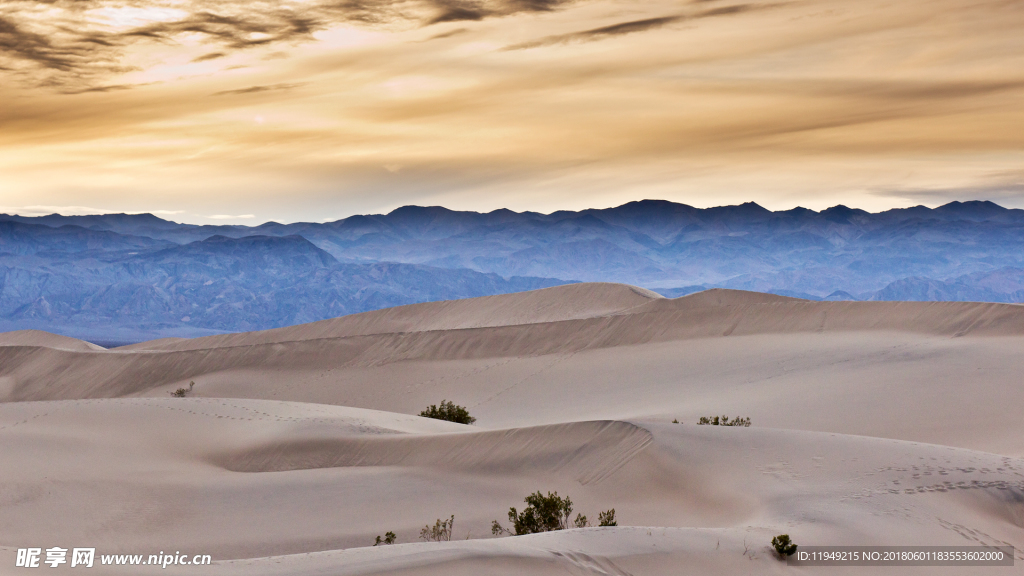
(246, 111)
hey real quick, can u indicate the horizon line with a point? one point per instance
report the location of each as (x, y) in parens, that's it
(750, 203)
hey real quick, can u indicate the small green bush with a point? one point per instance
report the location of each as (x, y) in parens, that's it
(607, 518)
(182, 392)
(441, 531)
(783, 545)
(723, 421)
(448, 411)
(542, 514)
(546, 514)
(389, 538)
(675, 421)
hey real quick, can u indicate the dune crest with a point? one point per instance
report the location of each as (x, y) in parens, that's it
(46, 340)
(566, 302)
(728, 297)
(587, 451)
(553, 322)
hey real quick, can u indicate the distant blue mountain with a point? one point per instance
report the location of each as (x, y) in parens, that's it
(209, 286)
(130, 276)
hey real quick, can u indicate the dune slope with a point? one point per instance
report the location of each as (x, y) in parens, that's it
(602, 351)
(873, 423)
(243, 479)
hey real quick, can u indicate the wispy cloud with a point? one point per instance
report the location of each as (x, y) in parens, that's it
(209, 56)
(634, 26)
(38, 210)
(1006, 189)
(263, 88)
(47, 210)
(448, 34)
(230, 217)
(731, 99)
(65, 43)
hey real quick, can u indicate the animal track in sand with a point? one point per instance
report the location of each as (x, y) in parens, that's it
(979, 536)
(51, 410)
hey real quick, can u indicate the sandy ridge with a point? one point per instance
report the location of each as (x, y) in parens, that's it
(51, 373)
(682, 492)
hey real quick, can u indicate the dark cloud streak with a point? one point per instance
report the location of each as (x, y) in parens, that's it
(633, 26)
(263, 88)
(447, 34)
(21, 44)
(74, 53)
(210, 56)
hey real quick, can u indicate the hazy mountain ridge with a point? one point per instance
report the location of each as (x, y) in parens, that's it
(144, 274)
(217, 284)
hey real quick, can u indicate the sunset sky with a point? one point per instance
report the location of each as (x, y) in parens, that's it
(241, 112)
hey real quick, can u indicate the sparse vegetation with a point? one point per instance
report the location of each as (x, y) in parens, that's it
(783, 545)
(542, 514)
(441, 531)
(546, 514)
(675, 421)
(182, 392)
(389, 538)
(723, 421)
(607, 518)
(448, 411)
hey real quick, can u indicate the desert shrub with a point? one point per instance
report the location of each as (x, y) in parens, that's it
(182, 392)
(546, 514)
(675, 421)
(783, 545)
(497, 529)
(389, 538)
(441, 531)
(448, 411)
(607, 518)
(542, 514)
(723, 421)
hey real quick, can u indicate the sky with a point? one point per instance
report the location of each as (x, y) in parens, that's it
(313, 110)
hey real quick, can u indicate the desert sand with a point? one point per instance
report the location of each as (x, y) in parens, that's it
(874, 423)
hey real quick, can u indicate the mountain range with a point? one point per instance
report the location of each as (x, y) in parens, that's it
(117, 278)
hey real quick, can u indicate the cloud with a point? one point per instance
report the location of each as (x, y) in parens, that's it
(47, 210)
(263, 88)
(1006, 189)
(234, 31)
(448, 34)
(19, 43)
(39, 210)
(210, 56)
(230, 217)
(633, 26)
(813, 98)
(106, 88)
(62, 43)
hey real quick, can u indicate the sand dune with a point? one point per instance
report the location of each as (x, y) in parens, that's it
(45, 340)
(319, 478)
(874, 423)
(626, 355)
(568, 302)
(599, 316)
